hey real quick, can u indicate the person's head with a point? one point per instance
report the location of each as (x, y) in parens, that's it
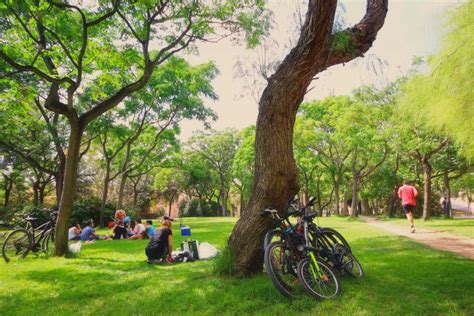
(90, 223)
(149, 222)
(139, 221)
(166, 221)
(78, 225)
(406, 182)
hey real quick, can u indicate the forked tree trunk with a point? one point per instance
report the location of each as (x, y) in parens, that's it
(276, 176)
(69, 188)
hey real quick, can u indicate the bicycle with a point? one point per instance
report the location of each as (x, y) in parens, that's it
(330, 244)
(293, 257)
(21, 241)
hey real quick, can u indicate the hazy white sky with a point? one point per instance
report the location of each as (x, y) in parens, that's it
(412, 28)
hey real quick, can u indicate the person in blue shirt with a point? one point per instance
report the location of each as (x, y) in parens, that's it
(88, 233)
(150, 229)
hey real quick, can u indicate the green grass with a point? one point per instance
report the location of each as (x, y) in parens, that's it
(456, 226)
(112, 278)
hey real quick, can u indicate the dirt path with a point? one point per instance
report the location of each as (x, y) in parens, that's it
(437, 240)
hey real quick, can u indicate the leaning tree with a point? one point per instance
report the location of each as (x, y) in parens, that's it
(83, 56)
(276, 177)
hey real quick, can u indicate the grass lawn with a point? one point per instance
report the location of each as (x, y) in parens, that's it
(112, 278)
(456, 226)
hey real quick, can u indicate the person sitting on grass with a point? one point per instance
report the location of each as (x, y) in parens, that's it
(120, 231)
(161, 245)
(150, 229)
(138, 231)
(74, 233)
(88, 234)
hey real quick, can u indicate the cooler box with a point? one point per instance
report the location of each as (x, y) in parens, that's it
(185, 231)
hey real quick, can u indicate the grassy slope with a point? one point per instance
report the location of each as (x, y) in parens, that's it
(457, 226)
(111, 277)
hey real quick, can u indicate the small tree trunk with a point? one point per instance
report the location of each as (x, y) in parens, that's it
(365, 206)
(123, 180)
(427, 189)
(105, 194)
(36, 193)
(336, 196)
(8, 187)
(41, 189)
(447, 188)
(69, 188)
(355, 190)
(222, 201)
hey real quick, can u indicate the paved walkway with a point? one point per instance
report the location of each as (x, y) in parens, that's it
(437, 240)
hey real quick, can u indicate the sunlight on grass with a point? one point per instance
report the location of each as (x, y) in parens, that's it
(112, 278)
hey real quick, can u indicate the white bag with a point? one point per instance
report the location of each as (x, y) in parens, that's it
(207, 251)
(75, 248)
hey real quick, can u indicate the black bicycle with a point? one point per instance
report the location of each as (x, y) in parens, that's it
(21, 241)
(291, 256)
(330, 244)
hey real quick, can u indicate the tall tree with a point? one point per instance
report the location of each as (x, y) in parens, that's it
(276, 178)
(117, 44)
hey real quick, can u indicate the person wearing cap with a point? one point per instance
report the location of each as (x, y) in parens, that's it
(161, 244)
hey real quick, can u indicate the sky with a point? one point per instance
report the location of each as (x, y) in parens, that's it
(412, 28)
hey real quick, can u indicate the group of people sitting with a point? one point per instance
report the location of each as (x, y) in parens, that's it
(160, 245)
(122, 228)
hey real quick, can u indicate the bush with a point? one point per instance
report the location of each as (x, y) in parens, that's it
(84, 210)
(16, 216)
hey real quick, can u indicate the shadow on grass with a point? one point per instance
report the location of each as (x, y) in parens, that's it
(402, 277)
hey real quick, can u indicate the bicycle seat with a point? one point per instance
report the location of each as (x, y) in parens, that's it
(268, 211)
(29, 218)
(310, 216)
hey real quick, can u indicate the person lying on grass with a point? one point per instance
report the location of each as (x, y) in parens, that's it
(138, 231)
(161, 245)
(88, 234)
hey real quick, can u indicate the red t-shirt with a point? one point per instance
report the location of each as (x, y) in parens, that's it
(407, 193)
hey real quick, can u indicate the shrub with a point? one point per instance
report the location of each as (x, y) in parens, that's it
(84, 210)
(225, 264)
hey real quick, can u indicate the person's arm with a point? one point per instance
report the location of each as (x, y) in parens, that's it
(415, 192)
(399, 189)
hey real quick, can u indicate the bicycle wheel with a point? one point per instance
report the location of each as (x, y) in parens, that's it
(48, 242)
(352, 266)
(335, 237)
(318, 278)
(16, 245)
(280, 268)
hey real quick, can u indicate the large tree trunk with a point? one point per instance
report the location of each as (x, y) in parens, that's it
(35, 193)
(275, 170)
(59, 179)
(427, 189)
(69, 188)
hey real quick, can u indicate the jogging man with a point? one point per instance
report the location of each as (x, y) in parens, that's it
(408, 194)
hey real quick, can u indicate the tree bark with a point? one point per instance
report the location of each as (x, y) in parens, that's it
(105, 193)
(447, 188)
(276, 177)
(8, 186)
(355, 199)
(69, 187)
(427, 188)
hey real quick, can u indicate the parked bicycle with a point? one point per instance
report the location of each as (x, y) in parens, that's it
(21, 241)
(293, 255)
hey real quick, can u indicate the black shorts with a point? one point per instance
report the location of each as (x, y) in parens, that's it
(407, 208)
